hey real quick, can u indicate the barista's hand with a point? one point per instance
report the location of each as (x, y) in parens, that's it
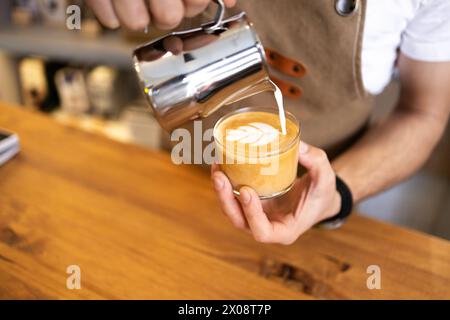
(282, 220)
(137, 14)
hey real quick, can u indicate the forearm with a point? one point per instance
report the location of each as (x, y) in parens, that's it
(389, 152)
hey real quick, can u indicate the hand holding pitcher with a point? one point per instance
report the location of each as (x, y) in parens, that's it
(138, 14)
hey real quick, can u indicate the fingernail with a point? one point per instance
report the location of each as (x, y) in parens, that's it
(218, 183)
(304, 147)
(245, 196)
(113, 23)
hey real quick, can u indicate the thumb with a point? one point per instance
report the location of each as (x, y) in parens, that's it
(316, 161)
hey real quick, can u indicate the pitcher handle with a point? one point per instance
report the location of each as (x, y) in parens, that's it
(218, 18)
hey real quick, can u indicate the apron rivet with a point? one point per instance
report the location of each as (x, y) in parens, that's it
(346, 8)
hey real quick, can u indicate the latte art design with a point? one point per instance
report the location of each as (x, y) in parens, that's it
(255, 133)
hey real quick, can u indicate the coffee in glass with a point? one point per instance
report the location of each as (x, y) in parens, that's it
(254, 150)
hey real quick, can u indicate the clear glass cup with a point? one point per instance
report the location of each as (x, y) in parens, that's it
(268, 169)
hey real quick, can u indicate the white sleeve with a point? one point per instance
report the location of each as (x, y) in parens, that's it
(427, 35)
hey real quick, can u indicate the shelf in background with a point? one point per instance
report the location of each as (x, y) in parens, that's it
(65, 45)
(136, 125)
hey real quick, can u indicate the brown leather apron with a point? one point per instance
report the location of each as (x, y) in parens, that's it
(333, 108)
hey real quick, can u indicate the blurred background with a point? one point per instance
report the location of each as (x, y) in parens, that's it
(84, 78)
(81, 77)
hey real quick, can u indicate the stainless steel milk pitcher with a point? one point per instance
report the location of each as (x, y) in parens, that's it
(189, 74)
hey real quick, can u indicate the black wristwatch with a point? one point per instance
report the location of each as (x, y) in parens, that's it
(346, 207)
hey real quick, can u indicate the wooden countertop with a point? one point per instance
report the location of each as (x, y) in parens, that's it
(140, 227)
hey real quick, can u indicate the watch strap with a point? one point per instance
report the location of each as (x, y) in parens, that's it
(346, 207)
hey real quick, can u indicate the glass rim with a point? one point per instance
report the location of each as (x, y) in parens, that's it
(261, 109)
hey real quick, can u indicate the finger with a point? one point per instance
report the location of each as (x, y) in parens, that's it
(316, 161)
(194, 7)
(104, 11)
(229, 204)
(166, 14)
(283, 231)
(132, 14)
(230, 3)
(257, 220)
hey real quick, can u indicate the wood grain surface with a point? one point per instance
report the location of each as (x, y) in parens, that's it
(140, 227)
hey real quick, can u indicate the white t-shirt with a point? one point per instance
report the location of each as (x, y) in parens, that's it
(418, 28)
